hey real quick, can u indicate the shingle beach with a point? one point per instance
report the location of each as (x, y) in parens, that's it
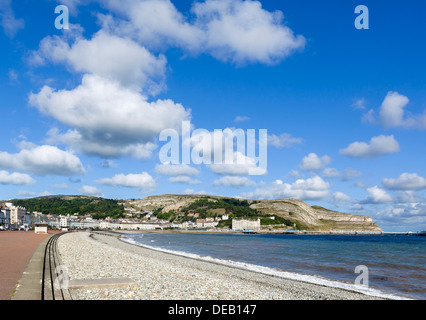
(163, 276)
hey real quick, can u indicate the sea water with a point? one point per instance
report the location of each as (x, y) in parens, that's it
(395, 264)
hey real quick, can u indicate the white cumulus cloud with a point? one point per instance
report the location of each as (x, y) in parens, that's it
(313, 188)
(230, 30)
(15, 178)
(377, 195)
(143, 180)
(393, 114)
(406, 181)
(109, 120)
(42, 160)
(377, 146)
(314, 162)
(109, 56)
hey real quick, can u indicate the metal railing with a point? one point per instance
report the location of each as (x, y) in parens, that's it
(53, 286)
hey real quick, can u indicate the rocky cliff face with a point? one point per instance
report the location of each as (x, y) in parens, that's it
(317, 218)
(168, 202)
(312, 217)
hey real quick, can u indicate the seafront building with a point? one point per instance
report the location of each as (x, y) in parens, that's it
(14, 216)
(4, 217)
(245, 224)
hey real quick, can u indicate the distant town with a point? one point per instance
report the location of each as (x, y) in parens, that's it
(19, 218)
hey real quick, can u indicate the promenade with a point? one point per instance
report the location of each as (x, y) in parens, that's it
(16, 250)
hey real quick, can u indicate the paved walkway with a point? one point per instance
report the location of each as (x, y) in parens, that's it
(16, 250)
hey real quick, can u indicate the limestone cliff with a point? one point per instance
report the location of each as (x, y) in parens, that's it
(316, 218)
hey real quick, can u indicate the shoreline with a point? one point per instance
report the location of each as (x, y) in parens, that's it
(167, 276)
(263, 232)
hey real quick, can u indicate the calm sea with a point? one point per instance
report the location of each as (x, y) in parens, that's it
(395, 264)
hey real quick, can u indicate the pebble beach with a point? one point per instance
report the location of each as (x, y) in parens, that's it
(163, 276)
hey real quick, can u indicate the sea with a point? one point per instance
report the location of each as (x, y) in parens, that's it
(388, 266)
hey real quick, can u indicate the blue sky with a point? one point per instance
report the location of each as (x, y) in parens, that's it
(345, 109)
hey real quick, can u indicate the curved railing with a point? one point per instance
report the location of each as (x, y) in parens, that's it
(54, 281)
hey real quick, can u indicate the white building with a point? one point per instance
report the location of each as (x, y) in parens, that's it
(108, 225)
(246, 224)
(18, 215)
(5, 217)
(63, 222)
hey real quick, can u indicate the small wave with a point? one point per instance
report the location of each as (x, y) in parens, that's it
(276, 272)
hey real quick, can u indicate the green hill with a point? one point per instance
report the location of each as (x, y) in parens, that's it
(99, 208)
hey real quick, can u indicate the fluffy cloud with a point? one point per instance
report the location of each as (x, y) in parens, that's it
(392, 109)
(42, 160)
(313, 162)
(234, 181)
(406, 181)
(142, 180)
(377, 146)
(313, 188)
(109, 56)
(392, 113)
(413, 214)
(242, 31)
(15, 178)
(109, 119)
(230, 30)
(157, 24)
(377, 195)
